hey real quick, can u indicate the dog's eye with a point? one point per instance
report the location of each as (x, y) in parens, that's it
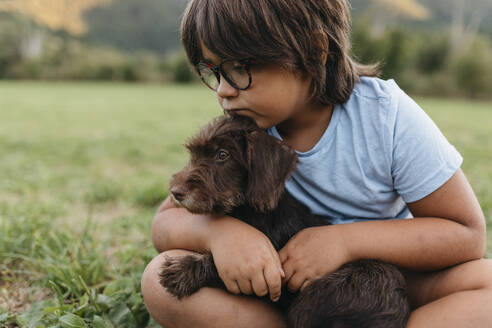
(222, 155)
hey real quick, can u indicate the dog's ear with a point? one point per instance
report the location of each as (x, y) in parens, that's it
(270, 163)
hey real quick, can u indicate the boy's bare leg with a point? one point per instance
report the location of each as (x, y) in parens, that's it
(460, 296)
(208, 307)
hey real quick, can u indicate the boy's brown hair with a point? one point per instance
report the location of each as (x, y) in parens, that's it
(292, 33)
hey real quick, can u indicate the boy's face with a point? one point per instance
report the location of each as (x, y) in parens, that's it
(274, 96)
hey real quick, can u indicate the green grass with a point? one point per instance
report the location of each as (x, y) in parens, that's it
(83, 167)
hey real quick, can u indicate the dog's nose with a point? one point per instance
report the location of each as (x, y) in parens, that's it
(179, 193)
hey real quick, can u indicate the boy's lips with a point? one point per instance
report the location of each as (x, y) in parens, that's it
(237, 110)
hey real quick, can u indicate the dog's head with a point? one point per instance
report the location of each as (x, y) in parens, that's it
(233, 162)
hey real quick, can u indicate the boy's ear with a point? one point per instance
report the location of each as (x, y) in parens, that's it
(270, 162)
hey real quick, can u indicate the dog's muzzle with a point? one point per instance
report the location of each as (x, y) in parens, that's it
(174, 200)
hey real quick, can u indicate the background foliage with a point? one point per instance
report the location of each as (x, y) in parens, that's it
(85, 164)
(84, 167)
(431, 47)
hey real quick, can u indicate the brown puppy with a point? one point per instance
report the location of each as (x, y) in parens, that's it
(238, 169)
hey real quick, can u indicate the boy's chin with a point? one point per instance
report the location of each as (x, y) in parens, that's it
(263, 123)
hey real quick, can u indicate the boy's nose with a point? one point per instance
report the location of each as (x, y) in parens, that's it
(225, 90)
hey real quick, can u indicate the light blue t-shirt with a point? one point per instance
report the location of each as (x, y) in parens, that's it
(379, 152)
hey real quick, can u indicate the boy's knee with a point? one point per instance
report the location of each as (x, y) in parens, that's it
(150, 284)
(473, 275)
(427, 287)
(162, 306)
(484, 268)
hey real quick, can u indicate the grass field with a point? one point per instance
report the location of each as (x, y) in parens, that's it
(83, 167)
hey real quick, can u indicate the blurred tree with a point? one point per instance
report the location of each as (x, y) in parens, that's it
(463, 19)
(463, 30)
(9, 43)
(473, 69)
(442, 14)
(54, 14)
(433, 53)
(396, 54)
(406, 8)
(182, 72)
(366, 48)
(384, 12)
(137, 24)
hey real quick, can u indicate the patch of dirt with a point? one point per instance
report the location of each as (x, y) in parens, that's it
(16, 295)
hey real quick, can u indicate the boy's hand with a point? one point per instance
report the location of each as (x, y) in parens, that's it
(311, 254)
(245, 259)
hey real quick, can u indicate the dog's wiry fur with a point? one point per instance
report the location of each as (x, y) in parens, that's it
(237, 169)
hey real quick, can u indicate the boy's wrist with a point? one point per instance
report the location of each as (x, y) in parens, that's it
(349, 246)
(176, 228)
(216, 227)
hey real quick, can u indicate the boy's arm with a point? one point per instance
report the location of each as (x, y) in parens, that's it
(245, 258)
(175, 228)
(448, 228)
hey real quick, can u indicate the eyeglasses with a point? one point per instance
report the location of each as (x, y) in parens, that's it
(236, 72)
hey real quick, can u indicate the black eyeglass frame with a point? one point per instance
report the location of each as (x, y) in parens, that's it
(218, 71)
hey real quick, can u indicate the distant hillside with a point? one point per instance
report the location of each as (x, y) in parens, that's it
(440, 11)
(154, 24)
(137, 24)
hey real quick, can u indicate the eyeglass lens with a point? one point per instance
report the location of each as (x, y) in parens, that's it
(235, 72)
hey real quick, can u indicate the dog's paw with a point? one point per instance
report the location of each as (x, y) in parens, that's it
(179, 275)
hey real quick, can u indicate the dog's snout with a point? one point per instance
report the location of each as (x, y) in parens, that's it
(178, 192)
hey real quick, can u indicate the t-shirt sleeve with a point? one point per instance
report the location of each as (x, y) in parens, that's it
(423, 159)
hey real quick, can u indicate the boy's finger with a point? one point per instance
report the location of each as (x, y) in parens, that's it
(232, 287)
(295, 282)
(289, 271)
(259, 285)
(276, 256)
(282, 255)
(274, 282)
(305, 284)
(245, 286)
